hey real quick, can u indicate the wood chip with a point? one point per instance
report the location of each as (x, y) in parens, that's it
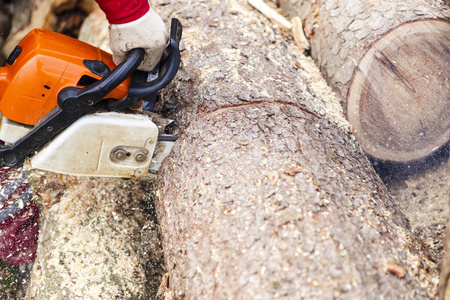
(291, 171)
(410, 184)
(164, 285)
(394, 268)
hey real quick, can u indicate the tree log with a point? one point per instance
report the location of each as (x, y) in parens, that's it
(276, 198)
(94, 30)
(444, 280)
(390, 61)
(266, 193)
(5, 25)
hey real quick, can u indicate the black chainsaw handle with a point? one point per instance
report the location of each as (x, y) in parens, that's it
(168, 68)
(140, 87)
(73, 98)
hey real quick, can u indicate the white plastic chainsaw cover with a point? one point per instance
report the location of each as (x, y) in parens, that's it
(11, 132)
(104, 144)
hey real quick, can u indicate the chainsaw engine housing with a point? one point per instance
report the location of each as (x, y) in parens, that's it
(44, 63)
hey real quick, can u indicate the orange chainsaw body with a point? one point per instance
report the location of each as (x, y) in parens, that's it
(47, 63)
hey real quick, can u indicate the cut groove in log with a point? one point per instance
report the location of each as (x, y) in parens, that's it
(405, 116)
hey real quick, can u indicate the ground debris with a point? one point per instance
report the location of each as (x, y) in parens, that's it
(99, 239)
(422, 190)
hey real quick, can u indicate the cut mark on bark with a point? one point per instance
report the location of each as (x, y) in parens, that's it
(236, 106)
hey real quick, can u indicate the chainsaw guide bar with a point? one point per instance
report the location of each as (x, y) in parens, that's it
(68, 107)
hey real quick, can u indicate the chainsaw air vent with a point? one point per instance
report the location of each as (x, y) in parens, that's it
(86, 80)
(14, 55)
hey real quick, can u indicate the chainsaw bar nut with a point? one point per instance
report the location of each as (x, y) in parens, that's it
(129, 155)
(140, 156)
(119, 154)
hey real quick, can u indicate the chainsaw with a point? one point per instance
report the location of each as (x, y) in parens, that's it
(68, 109)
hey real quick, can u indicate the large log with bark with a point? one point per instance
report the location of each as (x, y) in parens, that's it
(98, 237)
(266, 193)
(390, 62)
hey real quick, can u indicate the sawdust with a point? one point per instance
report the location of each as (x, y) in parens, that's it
(98, 239)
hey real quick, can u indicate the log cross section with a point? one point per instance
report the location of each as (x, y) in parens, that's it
(390, 62)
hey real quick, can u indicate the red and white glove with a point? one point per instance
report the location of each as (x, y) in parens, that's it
(133, 24)
(18, 218)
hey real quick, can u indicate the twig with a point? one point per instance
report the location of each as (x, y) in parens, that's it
(298, 34)
(270, 13)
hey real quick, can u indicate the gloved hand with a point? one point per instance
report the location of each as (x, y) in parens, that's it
(147, 32)
(18, 218)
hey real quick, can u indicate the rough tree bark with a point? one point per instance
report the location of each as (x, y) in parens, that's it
(389, 60)
(266, 193)
(5, 24)
(444, 286)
